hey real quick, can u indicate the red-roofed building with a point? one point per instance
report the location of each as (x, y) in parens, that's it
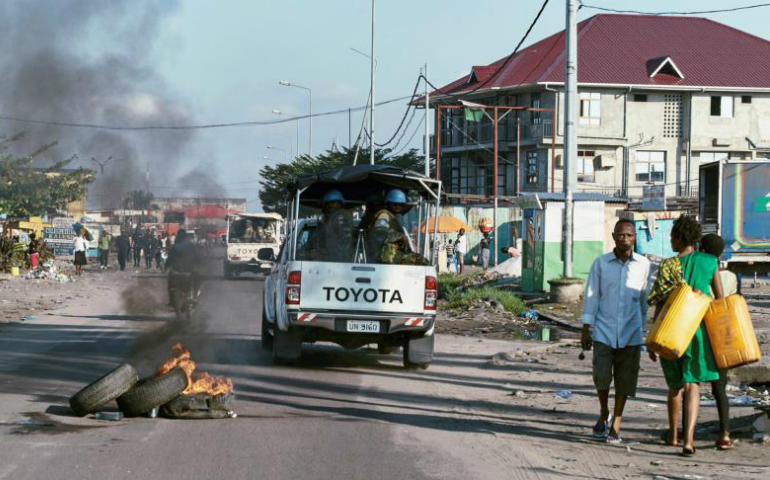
(658, 95)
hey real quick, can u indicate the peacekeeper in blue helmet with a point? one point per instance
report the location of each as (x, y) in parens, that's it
(390, 242)
(335, 230)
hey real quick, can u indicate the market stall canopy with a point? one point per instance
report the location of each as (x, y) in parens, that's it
(446, 224)
(359, 183)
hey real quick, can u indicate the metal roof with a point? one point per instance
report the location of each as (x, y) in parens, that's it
(576, 196)
(625, 49)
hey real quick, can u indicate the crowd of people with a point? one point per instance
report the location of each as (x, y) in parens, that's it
(617, 296)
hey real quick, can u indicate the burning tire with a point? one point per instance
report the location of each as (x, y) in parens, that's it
(108, 388)
(198, 406)
(153, 392)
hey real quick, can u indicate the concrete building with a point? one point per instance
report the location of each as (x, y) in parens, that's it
(658, 96)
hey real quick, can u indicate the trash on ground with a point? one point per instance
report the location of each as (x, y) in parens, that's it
(564, 394)
(111, 416)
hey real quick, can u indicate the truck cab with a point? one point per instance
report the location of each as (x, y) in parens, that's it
(253, 241)
(354, 301)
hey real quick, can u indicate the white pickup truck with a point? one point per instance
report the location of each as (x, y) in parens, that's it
(253, 241)
(353, 303)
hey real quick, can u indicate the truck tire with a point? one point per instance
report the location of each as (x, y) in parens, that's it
(418, 352)
(287, 346)
(152, 392)
(108, 388)
(267, 338)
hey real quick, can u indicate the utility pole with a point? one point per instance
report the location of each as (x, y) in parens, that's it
(371, 105)
(426, 141)
(570, 132)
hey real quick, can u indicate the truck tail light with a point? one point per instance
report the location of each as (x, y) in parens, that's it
(293, 288)
(431, 293)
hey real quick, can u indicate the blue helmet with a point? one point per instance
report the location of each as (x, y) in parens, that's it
(332, 196)
(396, 196)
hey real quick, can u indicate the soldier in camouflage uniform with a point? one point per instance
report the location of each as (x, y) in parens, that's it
(391, 245)
(335, 231)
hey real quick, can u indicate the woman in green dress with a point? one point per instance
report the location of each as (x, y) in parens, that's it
(699, 270)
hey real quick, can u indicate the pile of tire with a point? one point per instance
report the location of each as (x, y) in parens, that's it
(134, 396)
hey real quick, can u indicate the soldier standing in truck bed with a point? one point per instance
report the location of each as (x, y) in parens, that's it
(334, 236)
(391, 244)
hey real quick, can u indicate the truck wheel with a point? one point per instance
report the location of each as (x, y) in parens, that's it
(267, 338)
(418, 352)
(287, 346)
(108, 388)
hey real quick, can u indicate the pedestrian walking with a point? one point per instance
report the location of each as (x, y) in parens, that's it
(34, 251)
(700, 271)
(149, 249)
(123, 244)
(104, 250)
(484, 250)
(461, 248)
(81, 247)
(614, 311)
(714, 245)
(138, 244)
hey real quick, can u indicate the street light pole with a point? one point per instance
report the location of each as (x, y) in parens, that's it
(287, 83)
(371, 104)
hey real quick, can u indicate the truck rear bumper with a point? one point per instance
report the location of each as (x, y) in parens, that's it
(337, 322)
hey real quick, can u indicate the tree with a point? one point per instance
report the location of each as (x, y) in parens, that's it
(138, 200)
(28, 191)
(274, 179)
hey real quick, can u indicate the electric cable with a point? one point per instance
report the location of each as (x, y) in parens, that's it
(284, 119)
(701, 12)
(413, 135)
(408, 106)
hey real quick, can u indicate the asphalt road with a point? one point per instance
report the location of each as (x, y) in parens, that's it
(312, 420)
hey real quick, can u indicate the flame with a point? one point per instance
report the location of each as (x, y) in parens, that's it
(203, 383)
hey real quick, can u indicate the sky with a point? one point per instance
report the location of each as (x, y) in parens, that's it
(223, 61)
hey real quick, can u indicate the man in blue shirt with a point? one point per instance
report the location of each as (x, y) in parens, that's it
(614, 311)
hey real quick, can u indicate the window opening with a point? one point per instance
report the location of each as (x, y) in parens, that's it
(590, 108)
(650, 166)
(532, 167)
(585, 166)
(672, 116)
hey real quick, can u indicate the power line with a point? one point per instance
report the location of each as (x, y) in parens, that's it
(412, 137)
(401, 124)
(284, 119)
(406, 128)
(507, 59)
(701, 12)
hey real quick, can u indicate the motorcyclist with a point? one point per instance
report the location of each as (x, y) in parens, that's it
(391, 244)
(183, 258)
(334, 231)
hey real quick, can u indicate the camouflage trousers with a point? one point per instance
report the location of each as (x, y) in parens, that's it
(392, 254)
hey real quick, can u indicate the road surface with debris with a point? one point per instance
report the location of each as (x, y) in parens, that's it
(337, 414)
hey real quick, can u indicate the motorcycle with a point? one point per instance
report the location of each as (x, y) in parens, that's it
(184, 292)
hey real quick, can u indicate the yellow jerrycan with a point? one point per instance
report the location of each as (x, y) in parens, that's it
(732, 336)
(677, 322)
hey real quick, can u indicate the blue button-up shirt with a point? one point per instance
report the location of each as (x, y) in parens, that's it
(615, 300)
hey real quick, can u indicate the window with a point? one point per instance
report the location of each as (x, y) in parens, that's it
(745, 98)
(532, 167)
(640, 97)
(650, 166)
(706, 157)
(672, 116)
(534, 102)
(585, 166)
(590, 108)
(722, 106)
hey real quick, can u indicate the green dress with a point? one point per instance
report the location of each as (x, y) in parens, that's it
(697, 364)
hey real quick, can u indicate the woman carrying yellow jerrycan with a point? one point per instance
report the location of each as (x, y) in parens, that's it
(696, 364)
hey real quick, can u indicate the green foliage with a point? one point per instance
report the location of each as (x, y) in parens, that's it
(464, 298)
(448, 284)
(138, 200)
(274, 179)
(28, 191)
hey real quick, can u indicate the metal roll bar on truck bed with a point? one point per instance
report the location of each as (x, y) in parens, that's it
(358, 184)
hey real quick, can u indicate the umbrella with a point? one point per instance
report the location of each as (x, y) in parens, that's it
(446, 224)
